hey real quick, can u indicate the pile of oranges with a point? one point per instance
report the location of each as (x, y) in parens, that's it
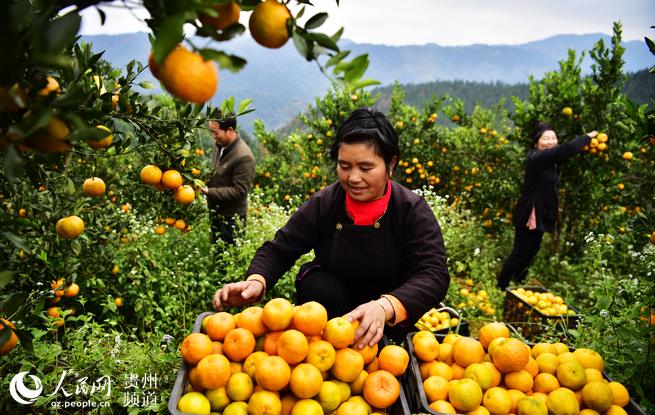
(169, 179)
(476, 299)
(546, 303)
(285, 359)
(500, 375)
(435, 320)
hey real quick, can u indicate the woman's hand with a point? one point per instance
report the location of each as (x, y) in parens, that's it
(372, 317)
(238, 294)
(592, 134)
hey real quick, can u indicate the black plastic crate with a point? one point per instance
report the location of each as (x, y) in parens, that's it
(401, 407)
(461, 328)
(531, 322)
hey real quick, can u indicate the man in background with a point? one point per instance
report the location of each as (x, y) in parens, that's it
(234, 170)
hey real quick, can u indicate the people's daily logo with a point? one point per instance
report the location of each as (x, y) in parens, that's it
(21, 393)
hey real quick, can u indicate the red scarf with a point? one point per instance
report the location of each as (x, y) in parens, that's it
(366, 213)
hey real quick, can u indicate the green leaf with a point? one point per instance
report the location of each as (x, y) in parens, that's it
(300, 13)
(301, 44)
(168, 35)
(25, 340)
(89, 134)
(357, 70)
(70, 186)
(337, 58)
(651, 45)
(6, 277)
(323, 40)
(232, 63)
(16, 241)
(61, 32)
(243, 105)
(13, 302)
(337, 35)
(13, 163)
(316, 21)
(146, 85)
(364, 83)
(76, 247)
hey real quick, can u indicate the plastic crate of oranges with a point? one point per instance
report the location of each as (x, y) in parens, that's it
(535, 310)
(442, 320)
(283, 359)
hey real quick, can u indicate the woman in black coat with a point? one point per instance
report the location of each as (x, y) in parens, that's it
(536, 210)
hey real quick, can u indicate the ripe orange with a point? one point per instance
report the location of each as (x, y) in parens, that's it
(442, 407)
(307, 407)
(188, 76)
(426, 346)
(547, 363)
(520, 380)
(479, 373)
(104, 142)
(357, 385)
(532, 367)
(545, 383)
(465, 395)
(94, 186)
(510, 355)
(352, 408)
(393, 359)
(562, 401)
(490, 331)
(306, 381)
(497, 401)
(185, 195)
(171, 179)
(446, 353)
(321, 354)
(268, 24)
(347, 365)
(368, 353)
(251, 363)
(218, 325)
(213, 371)
(151, 175)
(69, 227)
(571, 375)
(273, 373)
(531, 406)
(180, 224)
(238, 344)
(515, 395)
(195, 346)
(436, 388)
(589, 358)
(292, 346)
(52, 86)
(540, 348)
(440, 369)
(467, 350)
(310, 318)
(72, 290)
(620, 394)
(593, 374)
(251, 320)
(288, 402)
(194, 402)
(264, 403)
(160, 230)
(597, 395)
(339, 332)
(277, 314)
(51, 139)
(270, 342)
(228, 14)
(11, 342)
(218, 399)
(381, 389)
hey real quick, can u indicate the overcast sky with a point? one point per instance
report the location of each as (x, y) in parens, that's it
(446, 22)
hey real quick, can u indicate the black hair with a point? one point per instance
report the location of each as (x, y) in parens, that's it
(366, 125)
(539, 129)
(225, 123)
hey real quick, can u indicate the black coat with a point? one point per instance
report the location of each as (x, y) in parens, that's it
(403, 256)
(541, 182)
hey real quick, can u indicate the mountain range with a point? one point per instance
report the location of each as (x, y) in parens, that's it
(282, 83)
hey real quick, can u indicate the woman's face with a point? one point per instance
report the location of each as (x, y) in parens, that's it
(362, 172)
(547, 140)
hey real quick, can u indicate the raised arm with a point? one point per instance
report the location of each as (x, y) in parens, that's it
(561, 152)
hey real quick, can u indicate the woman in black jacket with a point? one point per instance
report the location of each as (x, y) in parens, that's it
(536, 210)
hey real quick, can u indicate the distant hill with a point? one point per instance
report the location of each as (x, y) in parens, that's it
(282, 83)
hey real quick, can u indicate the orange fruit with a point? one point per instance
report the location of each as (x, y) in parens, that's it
(560, 348)
(292, 346)
(357, 385)
(251, 320)
(151, 175)
(510, 355)
(450, 338)
(373, 366)
(339, 332)
(310, 318)
(593, 374)
(194, 347)
(72, 290)
(306, 381)
(547, 363)
(490, 331)
(571, 375)
(562, 401)
(264, 403)
(228, 14)
(236, 408)
(515, 396)
(615, 410)
(218, 325)
(239, 387)
(597, 395)
(531, 406)
(566, 357)
(217, 348)
(426, 346)
(479, 373)
(589, 358)
(539, 395)
(238, 344)
(185, 195)
(436, 388)
(288, 402)
(493, 344)
(213, 371)
(251, 362)
(520, 380)
(352, 408)
(268, 24)
(440, 369)
(104, 142)
(195, 403)
(497, 401)
(273, 373)
(467, 350)
(11, 342)
(270, 342)
(180, 224)
(329, 396)
(160, 230)
(347, 365)
(442, 407)
(465, 394)
(620, 394)
(322, 355)
(171, 179)
(277, 314)
(307, 407)
(368, 353)
(532, 367)
(495, 373)
(480, 410)
(94, 187)
(540, 348)
(154, 68)
(381, 389)
(446, 353)
(458, 371)
(188, 76)
(69, 227)
(587, 411)
(545, 383)
(394, 359)
(52, 86)
(218, 399)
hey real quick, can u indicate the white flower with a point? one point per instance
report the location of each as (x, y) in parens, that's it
(603, 313)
